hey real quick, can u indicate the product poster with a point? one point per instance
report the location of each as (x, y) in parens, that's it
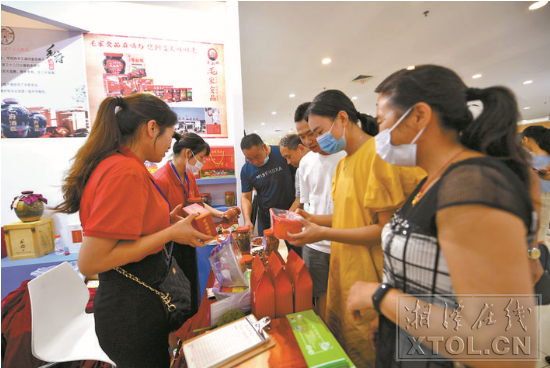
(188, 76)
(43, 84)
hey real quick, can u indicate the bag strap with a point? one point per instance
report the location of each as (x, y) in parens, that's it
(166, 299)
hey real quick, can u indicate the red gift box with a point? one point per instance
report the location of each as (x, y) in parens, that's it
(220, 163)
(283, 288)
(203, 222)
(142, 82)
(302, 284)
(283, 222)
(262, 297)
(111, 83)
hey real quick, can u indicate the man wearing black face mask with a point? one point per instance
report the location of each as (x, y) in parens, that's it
(270, 175)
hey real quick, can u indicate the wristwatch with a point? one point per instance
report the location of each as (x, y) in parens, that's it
(533, 253)
(379, 294)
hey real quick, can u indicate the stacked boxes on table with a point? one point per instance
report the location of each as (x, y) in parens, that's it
(281, 289)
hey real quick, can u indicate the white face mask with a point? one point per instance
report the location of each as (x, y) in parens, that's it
(194, 168)
(403, 155)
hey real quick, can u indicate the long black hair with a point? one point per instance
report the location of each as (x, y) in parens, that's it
(492, 133)
(540, 135)
(330, 102)
(192, 141)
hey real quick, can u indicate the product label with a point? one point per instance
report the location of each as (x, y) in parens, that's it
(77, 236)
(114, 66)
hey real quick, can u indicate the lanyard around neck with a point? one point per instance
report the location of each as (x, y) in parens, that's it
(170, 219)
(179, 178)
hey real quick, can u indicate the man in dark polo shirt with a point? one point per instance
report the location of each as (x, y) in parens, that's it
(268, 173)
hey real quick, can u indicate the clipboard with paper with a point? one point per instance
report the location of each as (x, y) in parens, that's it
(229, 345)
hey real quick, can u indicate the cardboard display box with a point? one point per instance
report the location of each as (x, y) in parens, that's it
(204, 222)
(29, 239)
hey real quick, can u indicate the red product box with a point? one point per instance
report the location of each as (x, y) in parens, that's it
(168, 95)
(283, 222)
(262, 292)
(302, 284)
(204, 222)
(283, 288)
(176, 94)
(141, 82)
(156, 89)
(220, 162)
(111, 83)
(127, 84)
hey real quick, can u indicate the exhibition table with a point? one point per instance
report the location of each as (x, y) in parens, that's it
(286, 352)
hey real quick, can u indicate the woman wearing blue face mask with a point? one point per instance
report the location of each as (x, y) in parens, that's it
(366, 192)
(177, 182)
(466, 229)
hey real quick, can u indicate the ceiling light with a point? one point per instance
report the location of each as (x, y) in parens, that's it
(537, 5)
(528, 82)
(326, 61)
(256, 131)
(526, 108)
(291, 95)
(262, 123)
(475, 76)
(354, 98)
(274, 113)
(410, 67)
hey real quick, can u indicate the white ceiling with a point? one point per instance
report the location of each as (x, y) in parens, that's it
(283, 43)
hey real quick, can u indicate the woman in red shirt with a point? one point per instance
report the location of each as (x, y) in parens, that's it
(126, 222)
(177, 181)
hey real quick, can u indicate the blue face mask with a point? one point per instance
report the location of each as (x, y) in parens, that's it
(329, 144)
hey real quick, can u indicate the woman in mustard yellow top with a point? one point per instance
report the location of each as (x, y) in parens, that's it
(366, 192)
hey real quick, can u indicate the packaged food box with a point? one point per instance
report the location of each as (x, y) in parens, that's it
(141, 82)
(283, 222)
(203, 222)
(26, 240)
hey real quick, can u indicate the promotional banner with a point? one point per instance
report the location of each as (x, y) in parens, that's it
(43, 84)
(188, 76)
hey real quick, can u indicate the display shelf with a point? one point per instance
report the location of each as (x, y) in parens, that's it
(207, 181)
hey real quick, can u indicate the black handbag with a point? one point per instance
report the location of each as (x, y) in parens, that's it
(174, 290)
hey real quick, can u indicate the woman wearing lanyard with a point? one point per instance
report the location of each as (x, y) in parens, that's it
(127, 222)
(177, 181)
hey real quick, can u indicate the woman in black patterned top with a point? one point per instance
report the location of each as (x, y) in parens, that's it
(465, 230)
